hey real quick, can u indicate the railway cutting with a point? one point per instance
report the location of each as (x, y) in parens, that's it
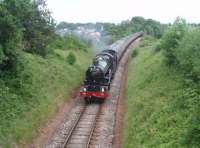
(91, 123)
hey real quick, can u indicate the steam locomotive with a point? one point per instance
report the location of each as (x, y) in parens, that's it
(100, 74)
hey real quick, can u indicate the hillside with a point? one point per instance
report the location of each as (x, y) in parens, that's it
(38, 69)
(161, 108)
(29, 99)
(42, 63)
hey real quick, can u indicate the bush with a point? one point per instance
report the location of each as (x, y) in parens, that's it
(188, 55)
(157, 47)
(135, 52)
(69, 42)
(146, 41)
(171, 39)
(71, 58)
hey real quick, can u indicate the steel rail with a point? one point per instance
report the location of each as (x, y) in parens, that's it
(73, 128)
(77, 122)
(126, 46)
(93, 127)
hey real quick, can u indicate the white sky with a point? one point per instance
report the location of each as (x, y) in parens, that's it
(115, 11)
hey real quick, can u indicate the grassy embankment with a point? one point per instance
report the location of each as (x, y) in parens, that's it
(28, 99)
(159, 106)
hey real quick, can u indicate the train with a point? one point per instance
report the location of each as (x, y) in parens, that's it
(100, 73)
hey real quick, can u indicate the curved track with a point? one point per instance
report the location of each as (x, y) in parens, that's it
(81, 129)
(81, 133)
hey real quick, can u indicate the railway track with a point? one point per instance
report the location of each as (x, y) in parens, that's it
(81, 133)
(83, 127)
(91, 125)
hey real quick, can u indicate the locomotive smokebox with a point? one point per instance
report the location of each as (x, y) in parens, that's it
(94, 72)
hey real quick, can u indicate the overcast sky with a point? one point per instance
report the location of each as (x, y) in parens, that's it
(115, 11)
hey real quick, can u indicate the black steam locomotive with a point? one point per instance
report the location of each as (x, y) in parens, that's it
(100, 74)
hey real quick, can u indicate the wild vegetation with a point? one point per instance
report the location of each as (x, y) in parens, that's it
(38, 68)
(163, 95)
(136, 24)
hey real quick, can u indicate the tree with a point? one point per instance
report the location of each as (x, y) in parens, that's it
(171, 39)
(25, 25)
(35, 20)
(152, 27)
(71, 58)
(137, 23)
(10, 38)
(188, 54)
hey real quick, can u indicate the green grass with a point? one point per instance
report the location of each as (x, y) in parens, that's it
(158, 104)
(26, 101)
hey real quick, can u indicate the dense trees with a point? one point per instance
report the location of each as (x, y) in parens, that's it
(188, 54)
(25, 25)
(148, 26)
(181, 48)
(10, 37)
(171, 39)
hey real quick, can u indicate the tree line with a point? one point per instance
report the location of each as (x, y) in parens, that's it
(136, 24)
(180, 45)
(181, 48)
